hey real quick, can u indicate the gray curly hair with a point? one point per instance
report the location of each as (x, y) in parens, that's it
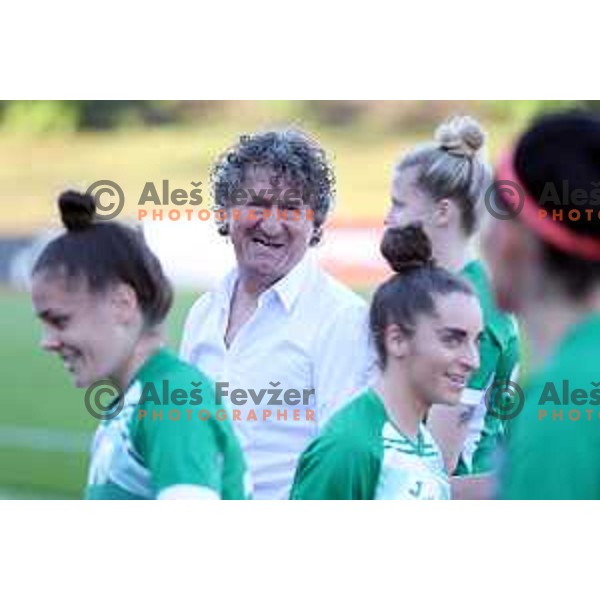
(293, 156)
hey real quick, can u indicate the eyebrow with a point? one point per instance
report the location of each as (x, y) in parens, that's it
(49, 315)
(454, 331)
(458, 332)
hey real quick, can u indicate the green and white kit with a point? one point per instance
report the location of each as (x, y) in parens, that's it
(553, 450)
(499, 356)
(136, 456)
(361, 455)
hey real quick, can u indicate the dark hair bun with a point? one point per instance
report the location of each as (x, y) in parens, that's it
(76, 210)
(407, 248)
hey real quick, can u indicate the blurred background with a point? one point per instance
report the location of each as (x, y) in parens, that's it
(47, 146)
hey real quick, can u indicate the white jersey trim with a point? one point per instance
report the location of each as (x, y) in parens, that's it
(188, 492)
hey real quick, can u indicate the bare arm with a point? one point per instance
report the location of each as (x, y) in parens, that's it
(449, 427)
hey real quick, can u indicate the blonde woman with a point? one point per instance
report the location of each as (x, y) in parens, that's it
(442, 185)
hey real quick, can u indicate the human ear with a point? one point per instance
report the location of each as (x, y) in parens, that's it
(396, 341)
(124, 303)
(442, 212)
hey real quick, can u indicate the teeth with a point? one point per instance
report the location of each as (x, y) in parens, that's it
(266, 243)
(69, 362)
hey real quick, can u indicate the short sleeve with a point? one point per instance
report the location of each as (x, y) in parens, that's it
(332, 470)
(183, 451)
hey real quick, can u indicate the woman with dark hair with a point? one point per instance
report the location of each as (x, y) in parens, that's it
(546, 268)
(102, 297)
(442, 185)
(426, 324)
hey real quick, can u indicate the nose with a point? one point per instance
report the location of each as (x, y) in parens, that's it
(386, 221)
(270, 222)
(391, 218)
(471, 359)
(50, 342)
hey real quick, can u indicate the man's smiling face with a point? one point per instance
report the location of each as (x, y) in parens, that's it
(268, 246)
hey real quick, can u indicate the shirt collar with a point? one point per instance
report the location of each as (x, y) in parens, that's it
(287, 289)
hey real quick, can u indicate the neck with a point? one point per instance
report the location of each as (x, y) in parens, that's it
(406, 411)
(143, 350)
(549, 316)
(453, 252)
(253, 285)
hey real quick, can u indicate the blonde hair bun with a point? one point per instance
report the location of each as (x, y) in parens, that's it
(460, 136)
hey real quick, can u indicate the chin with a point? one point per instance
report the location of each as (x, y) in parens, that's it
(449, 398)
(81, 380)
(454, 399)
(268, 272)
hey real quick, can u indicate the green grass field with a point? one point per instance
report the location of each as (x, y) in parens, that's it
(44, 428)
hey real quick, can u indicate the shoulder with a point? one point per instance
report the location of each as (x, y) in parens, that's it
(178, 370)
(211, 299)
(336, 293)
(344, 461)
(201, 320)
(176, 383)
(357, 425)
(200, 308)
(333, 304)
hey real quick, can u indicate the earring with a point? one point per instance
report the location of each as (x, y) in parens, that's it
(316, 235)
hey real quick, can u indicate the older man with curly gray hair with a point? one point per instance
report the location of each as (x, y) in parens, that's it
(285, 342)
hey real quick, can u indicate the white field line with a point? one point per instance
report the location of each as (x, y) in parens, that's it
(44, 439)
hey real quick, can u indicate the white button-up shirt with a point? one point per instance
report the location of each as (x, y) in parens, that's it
(309, 332)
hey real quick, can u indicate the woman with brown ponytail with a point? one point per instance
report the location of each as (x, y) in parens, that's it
(426, 324)
(102, 297)
(442, 185)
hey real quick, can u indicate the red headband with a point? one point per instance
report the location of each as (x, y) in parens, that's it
(553, 232)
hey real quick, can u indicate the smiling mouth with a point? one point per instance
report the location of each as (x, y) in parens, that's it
(457, 381)
(261, 241)
(70, 361)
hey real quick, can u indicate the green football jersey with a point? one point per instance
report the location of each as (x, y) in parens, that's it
(557, 455)
(499, 356)
(361, 455)
(150, 446)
